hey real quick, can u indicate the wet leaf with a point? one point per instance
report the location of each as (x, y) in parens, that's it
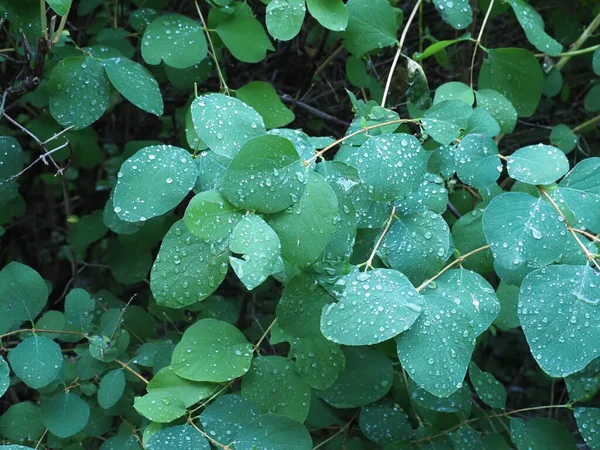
(489, 390)
(371, 24)
(159, 406)
(210, 216)
(476, 160)
(263, 98)
(456, 13)
(537, 164)
(65, 414)
(444, 121)
(284, 18)
(533, 25)
(180, 437)
(332, 14)
(499, 107)
(36, 360)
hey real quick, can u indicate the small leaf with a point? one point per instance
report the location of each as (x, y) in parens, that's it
(210, 216)
(467, 235)
(180, 437)
(499, 107)
(159, 406)
(189, 392)
(537, 164)
(482, 122)
(37, 361)
(103, 349)
(587, 422)
(384, 423)
(458, 13)
(275, 432)
(212, 350)
(175, 39)
(11, 162)
(224, 418)
(24, 293)
(284, 18)
(540, 434)
(489, 390)
(65, 414)
(371, 24)
(444, 121)
(263, 98)
(454, 90)
(153, 181)
(562, 137)
(332, 14)
(476, 160)
(111, 388)
(533, 25)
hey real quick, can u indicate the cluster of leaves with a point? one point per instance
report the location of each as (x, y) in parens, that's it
(288, 291)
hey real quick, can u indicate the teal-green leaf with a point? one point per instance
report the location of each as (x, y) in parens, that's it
(384, 423)
(79, 312)
(243, 35)
(263, 98)
(533, 25)
(444, 121)
(65, 414)
(4, 376)
(562, 137)
(557, 305)
(153, 181)
(332, 14)
(135, 83)
(22, 422)
(272, 431)
(159, 406)
(103, 349)
(516, 74)
(111, 388)
(375, 306)
(499, 107)
(482, 122)
(175, 39)
(508, 295)
(24, 293)
(523, 232)
(596, 61)
(284, 18)
(210, 216)
(476, 160)
(180, 437)
(60, 7)
(591, 102)
(371, 24)
(37, 361)
(467, 235)
(189, 392)
(306, 227)
(354, 386)
(459, 402)
(458, 13)
(225, 123)
(541, 434)
(437, 349)
(267, 175)
(212, 350)
(79, 92)
(187, 269)
(289, 395)
(454, 90)
(587, 422)
(11, 162)
(260, 248)
(227, 416)
(489, 390)
(537, 164)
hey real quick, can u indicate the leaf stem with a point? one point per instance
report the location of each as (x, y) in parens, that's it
(217, 443)
(583, 51)
(340, 431)
(369, 262)
(478, 41)
(579, 42)
(262, 338)
(584, 125)
(126, 367)
(39, 330)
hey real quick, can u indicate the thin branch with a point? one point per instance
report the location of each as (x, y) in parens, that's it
(217, 443)
(212, 49)
(369, 262)
(42, 157)
(317, 112)
(340, 431)
(126, 367)
(579, 128)
(589, 31)
(262, 338)
(478, 41)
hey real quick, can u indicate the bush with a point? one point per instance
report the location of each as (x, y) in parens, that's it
(207, 243)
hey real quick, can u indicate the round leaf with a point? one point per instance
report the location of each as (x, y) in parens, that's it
(24, 293)
(210, 216)
(37, 361)
(65, 414)
(189, 392)
(537, 164)
(111, 388)
(284, 18)
(444, 121)
(227, 416)
(181, 437)
(384, 423)
(332, 14)
(272, 431)
(159, 406)
(499, 107)
(476, 160)
(458, 13)
(264, 98)
(371, 24)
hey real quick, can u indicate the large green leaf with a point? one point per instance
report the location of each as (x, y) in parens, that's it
(225, 123)
(272, 431)
(73, 102)
(212, 350)
(557, 306)
(189, 392)
(24, 293)
(266, 175)
(135, 83)
(37, 361)
(444, 121)
(516, 74)
(371, 24)
(180, 437)
(537, 164)
(175, 39)
(375, 306)
(210, 216)
(187, 269)
(284, 18)
(65, 414)
(159, 406)
(227, 415)
(153, 181)
(587, 422)
(457, 13)
(541, 434)
(499, 107)
(489, 390)
(533, 25)
(476, 160)
(21, 422)
(263, 98)
(306, 227)
(332, 14)
(111, 388)
(436, 350)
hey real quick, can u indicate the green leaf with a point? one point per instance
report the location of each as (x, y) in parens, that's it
(65, 414)
(454, 90)
(384, 423)
(260, 249)
(135, 83)
(24, 293)
(4, 376)
(476, 160)
(596, 61)
(79, 92)
(37, 361)
(375, 306)
(508, 295)
(103, 349)
(225, 123)
(187, 269)
(437, 349)
(444, 121)
(489, 390)
(306, 228)
(111, 388)
(457, 403)
(562, 137)
(22, 422)
(189, 392)
(523, 232)
(180, 437)
(284, 18)
(482, 122)
(587, 422)
(175, 39)
(552, 301)
(416, 245)
(499, 107)
(265, 175)
(540, 434)
(210, 216)
(153, 181)
(224, 353)
(439, 46)
(121, 442)
(272, 431)
(516, 74)
(537, 164)
(243, 35)
(224, 418)
(354, 386)
(533, 25)
(60, 7)
(289, 395)
(263, 98)
(591, 102)
(579, 190)
(87, 230)
(11, 162)
(371, 25)
(211, 167)
(458, 13)
(467, 235)
(79, 313)
(332, 14)
(159, 406)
